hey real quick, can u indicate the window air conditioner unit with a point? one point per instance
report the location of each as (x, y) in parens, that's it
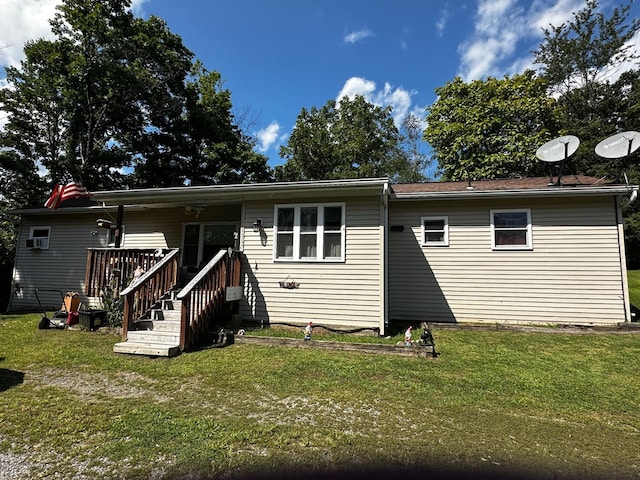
(37, 242)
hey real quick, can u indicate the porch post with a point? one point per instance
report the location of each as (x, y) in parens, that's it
(118, 232)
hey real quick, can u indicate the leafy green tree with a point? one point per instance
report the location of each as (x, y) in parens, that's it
(209, 147)
(490, 128)
(581, 59)
(584, 52)
(36, 104)
(113, 92)
(409, 163)
(84, 104)
(351, 138)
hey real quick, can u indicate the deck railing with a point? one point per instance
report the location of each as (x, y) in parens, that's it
(147, 290)
(204, 296)
(113, 268)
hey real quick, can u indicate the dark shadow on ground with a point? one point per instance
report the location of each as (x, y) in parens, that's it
(10, 378)
(408, 473)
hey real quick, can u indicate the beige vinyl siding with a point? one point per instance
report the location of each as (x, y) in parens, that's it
(573, 274)
(345, 293)
(63, 265)
(162, 228)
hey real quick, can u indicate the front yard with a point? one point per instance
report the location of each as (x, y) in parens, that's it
(497, 402)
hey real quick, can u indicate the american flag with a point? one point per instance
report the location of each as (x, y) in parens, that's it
(65, 192)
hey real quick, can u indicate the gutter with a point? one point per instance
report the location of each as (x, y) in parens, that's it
(235, 192)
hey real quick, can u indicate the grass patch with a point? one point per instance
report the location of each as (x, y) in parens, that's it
(633, 278)
(549, 405)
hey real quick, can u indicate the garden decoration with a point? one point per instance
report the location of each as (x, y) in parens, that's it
(307, 331)
(289, 283)
(426, 339)
(407, 337)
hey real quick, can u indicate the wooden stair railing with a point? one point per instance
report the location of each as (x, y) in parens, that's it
(112, 268)
(141, 295)
(204, 296)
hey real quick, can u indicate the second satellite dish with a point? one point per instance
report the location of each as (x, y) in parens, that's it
(619, 145)
(558, 149)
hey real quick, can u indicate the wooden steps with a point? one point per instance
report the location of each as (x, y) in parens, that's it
(158, 335)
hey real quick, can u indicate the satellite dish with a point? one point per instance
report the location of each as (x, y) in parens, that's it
(558, 149)
(619, 145)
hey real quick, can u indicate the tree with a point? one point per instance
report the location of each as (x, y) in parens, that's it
(409, 163)
(351, 138)
(209, 148)
(580, 60)
(88, 99)
(113, 92)
(490, 128)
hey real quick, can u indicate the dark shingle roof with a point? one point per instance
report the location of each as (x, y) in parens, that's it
(536, 183)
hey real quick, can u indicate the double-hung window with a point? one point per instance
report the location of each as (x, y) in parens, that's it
(435, 231)
(511, 229)
(309, 232)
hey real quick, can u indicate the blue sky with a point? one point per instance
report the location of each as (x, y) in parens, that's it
(278, 56)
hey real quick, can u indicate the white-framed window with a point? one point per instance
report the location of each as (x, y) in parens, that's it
(309, 232)
(435, 231)
(111, 236)
(511, 229)
(39, 237)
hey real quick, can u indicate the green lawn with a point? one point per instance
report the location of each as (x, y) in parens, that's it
(551, 405)
(633, 277)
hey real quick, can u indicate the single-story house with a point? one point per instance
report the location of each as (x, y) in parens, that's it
(359, 253)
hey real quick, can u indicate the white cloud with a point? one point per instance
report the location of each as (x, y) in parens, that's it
(499, 25)
(25, 20)
(543, 15)
(267, 137)
(398, 98)
(354, 37)
(137, 7)
(21, 21)
(441, 24)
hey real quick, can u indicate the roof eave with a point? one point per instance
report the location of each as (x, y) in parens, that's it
(520, 193)
(232, 192)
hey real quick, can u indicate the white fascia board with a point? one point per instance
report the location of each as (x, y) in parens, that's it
(236, 192)
(61, 211)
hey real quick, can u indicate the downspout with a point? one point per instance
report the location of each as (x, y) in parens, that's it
(385, 258)
(623, 254)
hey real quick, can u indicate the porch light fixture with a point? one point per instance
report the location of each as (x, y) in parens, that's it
(101, 223)
(257, 225)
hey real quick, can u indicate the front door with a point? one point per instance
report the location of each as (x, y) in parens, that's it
(202, 241)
